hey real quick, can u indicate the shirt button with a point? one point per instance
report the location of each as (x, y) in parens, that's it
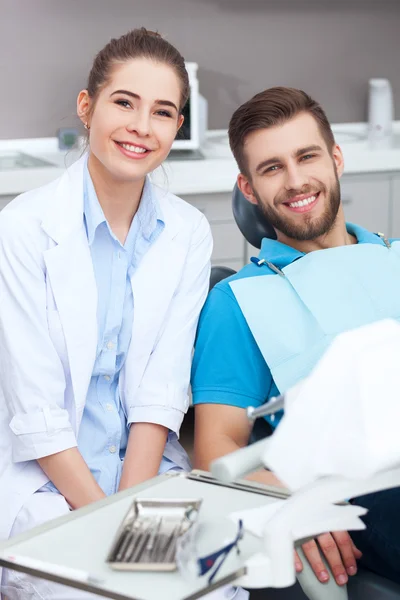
(112, 449)
(109, 406)
(110, 345)
(107, 377)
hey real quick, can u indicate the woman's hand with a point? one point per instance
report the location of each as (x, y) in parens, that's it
(72, 477)
(143, 456)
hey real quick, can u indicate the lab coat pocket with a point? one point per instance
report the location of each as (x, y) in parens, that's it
(57, 337)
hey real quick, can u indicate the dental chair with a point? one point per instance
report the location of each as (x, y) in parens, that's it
(366, 585)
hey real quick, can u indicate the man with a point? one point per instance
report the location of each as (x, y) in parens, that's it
(264, 329)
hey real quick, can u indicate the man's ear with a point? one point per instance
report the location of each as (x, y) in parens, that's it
(245, 187)
(337, 156)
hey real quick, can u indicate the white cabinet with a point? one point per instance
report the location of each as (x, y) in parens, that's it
(395, 206)
(367, 200)
(4, 199)
(229, 244)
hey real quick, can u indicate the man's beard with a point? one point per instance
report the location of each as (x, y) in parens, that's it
(309, 229)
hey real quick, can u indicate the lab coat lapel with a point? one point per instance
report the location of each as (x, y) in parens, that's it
(70, 270)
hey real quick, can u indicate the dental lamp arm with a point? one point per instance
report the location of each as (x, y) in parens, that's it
(273, 405)
(239, 463)
(249, 459)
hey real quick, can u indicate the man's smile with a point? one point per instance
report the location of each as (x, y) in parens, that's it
(303, 203)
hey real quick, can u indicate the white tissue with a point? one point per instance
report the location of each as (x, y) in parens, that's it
(328, 518)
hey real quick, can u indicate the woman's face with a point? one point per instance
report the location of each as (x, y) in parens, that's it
(134, 120)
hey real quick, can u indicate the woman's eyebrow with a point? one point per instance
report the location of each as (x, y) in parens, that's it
(137, 97)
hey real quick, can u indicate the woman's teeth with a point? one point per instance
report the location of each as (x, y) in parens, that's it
(136, 149)
(303, 202)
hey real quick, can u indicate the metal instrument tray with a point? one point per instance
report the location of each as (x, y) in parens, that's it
(146, 539)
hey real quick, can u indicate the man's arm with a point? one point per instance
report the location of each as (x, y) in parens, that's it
(219, 430)
(229, 374)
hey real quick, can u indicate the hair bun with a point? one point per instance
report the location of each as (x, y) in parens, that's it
(150, 32)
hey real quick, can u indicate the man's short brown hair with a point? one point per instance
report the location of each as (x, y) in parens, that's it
(269, 108)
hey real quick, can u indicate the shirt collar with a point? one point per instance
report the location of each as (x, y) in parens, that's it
(149, 213)
(93, 212)
(282, 255)
(364, 236)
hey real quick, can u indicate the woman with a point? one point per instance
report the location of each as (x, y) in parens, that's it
(102, 278)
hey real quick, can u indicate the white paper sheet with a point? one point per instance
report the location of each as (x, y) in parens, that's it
(344, 418)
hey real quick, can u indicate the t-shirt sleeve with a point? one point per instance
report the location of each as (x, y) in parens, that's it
(228, 367)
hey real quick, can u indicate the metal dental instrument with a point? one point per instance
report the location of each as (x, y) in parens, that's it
(150, 546)
(128, 541)
(171, 544)
(273, 405)
(136, 555)
(125, 539)
(158, 542)
(163, 542)
(136, 536)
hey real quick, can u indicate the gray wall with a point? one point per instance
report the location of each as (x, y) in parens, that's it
(328, 47)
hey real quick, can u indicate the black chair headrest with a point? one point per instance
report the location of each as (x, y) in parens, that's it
(250, 220)
(218, 274)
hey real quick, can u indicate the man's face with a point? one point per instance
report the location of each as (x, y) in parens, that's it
(294, 178)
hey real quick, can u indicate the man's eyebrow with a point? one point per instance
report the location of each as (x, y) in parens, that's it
(313, 148)
(276, 159)
(137, 97)
(266, 163)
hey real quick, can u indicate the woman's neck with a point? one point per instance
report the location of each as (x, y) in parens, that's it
(119, 200)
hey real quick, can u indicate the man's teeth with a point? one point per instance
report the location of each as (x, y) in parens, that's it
(302, 202)
(136, 149)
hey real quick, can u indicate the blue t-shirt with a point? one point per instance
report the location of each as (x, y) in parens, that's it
(228, 367)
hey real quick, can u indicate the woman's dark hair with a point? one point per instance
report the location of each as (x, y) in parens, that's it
(138, 43)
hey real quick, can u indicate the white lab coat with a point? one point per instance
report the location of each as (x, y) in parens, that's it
(48, 328)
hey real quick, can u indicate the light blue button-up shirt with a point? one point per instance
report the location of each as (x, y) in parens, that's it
(103, 433)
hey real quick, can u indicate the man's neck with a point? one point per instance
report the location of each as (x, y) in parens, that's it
(336, 236)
